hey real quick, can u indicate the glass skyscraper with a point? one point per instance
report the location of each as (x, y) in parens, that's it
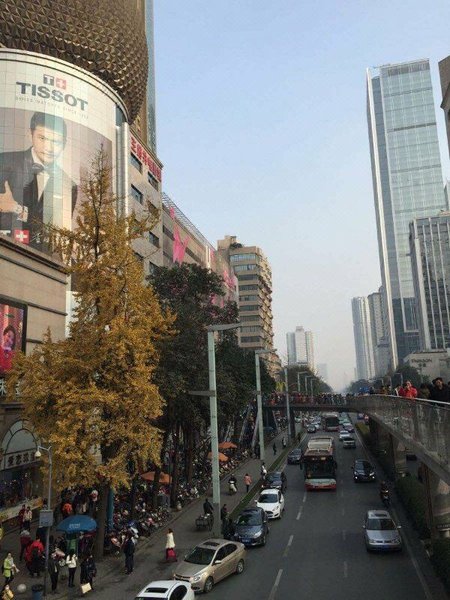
(407, 183)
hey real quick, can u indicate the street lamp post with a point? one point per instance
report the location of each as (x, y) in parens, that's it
(288, 410)
(213, 416)
(262, 451)
(38, 454)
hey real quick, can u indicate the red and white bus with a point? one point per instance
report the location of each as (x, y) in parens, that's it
(319, 464)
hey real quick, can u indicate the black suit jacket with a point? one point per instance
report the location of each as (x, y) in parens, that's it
(17, 169)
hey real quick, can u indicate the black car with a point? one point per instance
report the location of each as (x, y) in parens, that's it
(276, 481)
(251, 527)
(294, 456)
(363, 470)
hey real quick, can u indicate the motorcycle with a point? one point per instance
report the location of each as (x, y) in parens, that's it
(385, 498)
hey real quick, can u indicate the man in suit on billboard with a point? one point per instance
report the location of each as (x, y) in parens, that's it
(33, 187)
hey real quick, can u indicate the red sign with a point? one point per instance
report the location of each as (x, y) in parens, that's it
(22, 236)
(141, 154)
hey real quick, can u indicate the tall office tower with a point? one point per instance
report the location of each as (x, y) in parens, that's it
(291, 350)
(430, 257)
(254, 275)
(365, 367)
(407, 183)
(304, 346)
(444, 72)
(322, 371)
(380, 342)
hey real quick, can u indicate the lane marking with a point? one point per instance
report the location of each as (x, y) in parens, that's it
(275, 585)
(299, 514)
(286, 552)
(344, 535)
(423, 583)
(345, 569)
(304, 497)
(343, 510)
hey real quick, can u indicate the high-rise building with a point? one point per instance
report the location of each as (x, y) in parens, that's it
(365, 367)
(291, 351)
(254, 275)
(430, 257)
(444, 72)
(380, 342)
(300, 347)
(407, 183)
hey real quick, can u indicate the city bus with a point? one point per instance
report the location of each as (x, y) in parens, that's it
(330, 421)
(319, 464)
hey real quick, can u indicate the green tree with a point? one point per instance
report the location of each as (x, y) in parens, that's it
(93, 395)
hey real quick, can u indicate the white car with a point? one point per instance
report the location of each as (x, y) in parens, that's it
(166, 590)
(272, 501)
(344, 435)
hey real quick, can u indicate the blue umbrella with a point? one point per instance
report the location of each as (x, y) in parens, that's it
(77, 524)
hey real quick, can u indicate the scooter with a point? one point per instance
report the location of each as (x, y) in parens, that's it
(385, 498)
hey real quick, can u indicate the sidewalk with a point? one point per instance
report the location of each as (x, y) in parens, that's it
(150, 552)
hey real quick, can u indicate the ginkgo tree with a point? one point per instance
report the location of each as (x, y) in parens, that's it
(92, 396)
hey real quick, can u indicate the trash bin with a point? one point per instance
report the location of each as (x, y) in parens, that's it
(37, 591)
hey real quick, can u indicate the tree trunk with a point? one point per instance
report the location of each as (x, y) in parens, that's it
(174, 486)
(189, 454)
(101, 520)
(155, 487)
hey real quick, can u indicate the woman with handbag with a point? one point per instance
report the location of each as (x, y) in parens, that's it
(7, 593)
(170, 546)
(72, 562)
(53, 570)
(9, 568)
(88, 571)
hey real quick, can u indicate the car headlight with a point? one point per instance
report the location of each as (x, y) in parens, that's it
(372, 474)
(257, 535)
(371, 540)
(195, 578)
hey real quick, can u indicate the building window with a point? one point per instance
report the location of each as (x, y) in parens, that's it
(153, 181)
(250, 339)
(154, 239)
(136, 163)
(167, 232)
(152, 268)
(249, 317)
(245, 267)
(248, 277)
(139, 257)
(245, 288)
(253, 298)
(249, 307)
(137, 195)
(238, 257)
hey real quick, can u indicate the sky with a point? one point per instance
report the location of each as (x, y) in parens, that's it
(261, 127)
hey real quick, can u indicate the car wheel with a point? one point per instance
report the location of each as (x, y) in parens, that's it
(263, 541)
(208, 585)
(240, 567)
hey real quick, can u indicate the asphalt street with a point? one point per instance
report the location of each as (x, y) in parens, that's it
(317, 549)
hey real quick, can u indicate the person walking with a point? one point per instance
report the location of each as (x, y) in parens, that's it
(440, 392)
(208, 507)
(25, 541)
(9, 568)
(33, 557)
(283, 442)
(274, 448)
(170, 546)
(27, 517)
(88, 571)
(247, 482)
(128, 550)
(53, 570)
(223, 513)
(263, 471)
(72, 563)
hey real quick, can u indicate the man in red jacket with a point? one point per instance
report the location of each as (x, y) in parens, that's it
(408, 391)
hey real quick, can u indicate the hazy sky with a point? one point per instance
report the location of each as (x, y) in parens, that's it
(261, 115)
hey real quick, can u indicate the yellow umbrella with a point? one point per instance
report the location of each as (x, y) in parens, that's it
(227, 445)
(222, 457)
(163, 477)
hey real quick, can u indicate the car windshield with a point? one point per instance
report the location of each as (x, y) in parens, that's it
(365, 466)
(200, 556)
(380, 524)
(249, 519)
(268, 498)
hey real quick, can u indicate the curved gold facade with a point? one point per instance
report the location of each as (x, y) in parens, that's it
(107, 38)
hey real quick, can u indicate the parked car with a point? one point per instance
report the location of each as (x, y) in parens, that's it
(251, 527)
(210, 562)
(349, 442)
(166, 590)
(272, 501)
(276, 480)
(294, 456)
(381, 533)
(363, 470)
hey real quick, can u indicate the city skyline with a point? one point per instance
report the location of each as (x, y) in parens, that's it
(247, 126)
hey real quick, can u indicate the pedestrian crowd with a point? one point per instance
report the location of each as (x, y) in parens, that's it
(437, 390)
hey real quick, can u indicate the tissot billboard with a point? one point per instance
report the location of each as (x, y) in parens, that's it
(54, 118)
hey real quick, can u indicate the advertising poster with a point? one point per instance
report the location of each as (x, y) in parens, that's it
(52, 124)
(13, 332)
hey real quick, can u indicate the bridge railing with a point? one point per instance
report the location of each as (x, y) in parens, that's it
(424, 422)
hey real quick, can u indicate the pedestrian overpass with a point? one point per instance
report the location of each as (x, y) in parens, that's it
(422, 426)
